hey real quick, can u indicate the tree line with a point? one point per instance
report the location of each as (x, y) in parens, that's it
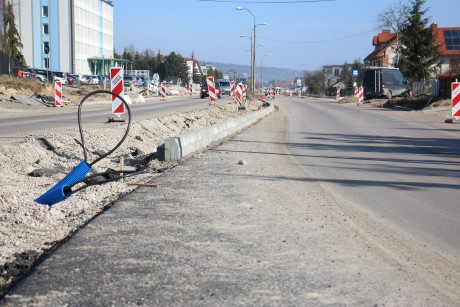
(172, 65)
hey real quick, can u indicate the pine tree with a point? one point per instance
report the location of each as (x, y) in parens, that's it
(419, 54)
(176, 66)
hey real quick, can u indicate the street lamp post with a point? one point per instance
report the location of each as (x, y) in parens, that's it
(250, 39)
(253, 47)
(261, 71)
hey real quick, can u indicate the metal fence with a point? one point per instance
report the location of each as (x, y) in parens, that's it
(428, 87)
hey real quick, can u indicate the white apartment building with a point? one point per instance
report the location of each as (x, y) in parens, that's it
(73, 36)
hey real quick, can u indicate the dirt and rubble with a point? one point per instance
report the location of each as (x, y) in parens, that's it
(32, 163)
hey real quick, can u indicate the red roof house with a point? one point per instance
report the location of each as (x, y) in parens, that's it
(447, 39)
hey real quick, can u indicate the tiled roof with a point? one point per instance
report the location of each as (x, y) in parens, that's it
(384, 37)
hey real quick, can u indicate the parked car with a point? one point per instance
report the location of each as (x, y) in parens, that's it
(129, 80)
(146, 80)
(45, 75)
(383, 81)
(225, 87)
(59, 76)
(84, 79)
(93, 80)
(204, 89)
(72, 79)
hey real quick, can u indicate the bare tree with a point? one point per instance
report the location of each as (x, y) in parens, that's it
(393, 18)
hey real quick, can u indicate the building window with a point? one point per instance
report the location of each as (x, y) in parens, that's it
(47, 63)
(45, 11)
(336, 72)
(45, 28)
(46, 47)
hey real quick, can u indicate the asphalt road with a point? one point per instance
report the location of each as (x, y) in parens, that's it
(325, 211)
(60, 118)
(404, 172)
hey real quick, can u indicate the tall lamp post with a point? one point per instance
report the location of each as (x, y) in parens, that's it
(253, 47)
(250, 39)
(261, 71)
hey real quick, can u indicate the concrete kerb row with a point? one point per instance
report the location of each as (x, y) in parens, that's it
(176, 148)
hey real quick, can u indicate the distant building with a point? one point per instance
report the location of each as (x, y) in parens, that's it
(67, 35)
(332, 74)
(193, 67)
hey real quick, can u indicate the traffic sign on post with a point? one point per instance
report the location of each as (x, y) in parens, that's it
(456, 100)
(116, 86)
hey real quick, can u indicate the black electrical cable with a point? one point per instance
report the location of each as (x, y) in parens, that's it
(68, 190)
(80, 126)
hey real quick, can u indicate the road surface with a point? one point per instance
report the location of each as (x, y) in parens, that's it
(324, 210)
(60, 118)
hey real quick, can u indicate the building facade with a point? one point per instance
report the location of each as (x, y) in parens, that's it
(447, 40)
(73, 36)
(332, 74)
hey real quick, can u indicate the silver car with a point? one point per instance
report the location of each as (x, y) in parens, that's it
(225, 86)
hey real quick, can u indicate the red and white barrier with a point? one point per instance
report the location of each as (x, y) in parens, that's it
(239, 93)
(356, 92)
(456, 100)
(58, 94)
(299, 93)
(116, 86)
(337, 96)
(271, 93)
(232, 89)
(163, 89)
(245, 89)
(361, 96)
(190, 88)
(212, 89)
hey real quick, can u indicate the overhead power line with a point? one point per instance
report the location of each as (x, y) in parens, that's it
(317, 42)
(268, 2)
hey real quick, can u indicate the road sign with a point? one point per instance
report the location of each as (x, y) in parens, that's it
(116, 86)
(456, 99)
(355, 72)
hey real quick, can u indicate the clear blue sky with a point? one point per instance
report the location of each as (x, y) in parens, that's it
(212, 29)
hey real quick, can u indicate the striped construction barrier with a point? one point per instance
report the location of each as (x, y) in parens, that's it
(360, 96)
(117, 87)
(190, 88)
(337, 95)
(232, 89)
(456, 100)
(356, 92)
(58, 94)
(212, 89)
(163, 89)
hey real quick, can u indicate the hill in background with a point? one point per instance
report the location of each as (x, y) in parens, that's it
(268, 73)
